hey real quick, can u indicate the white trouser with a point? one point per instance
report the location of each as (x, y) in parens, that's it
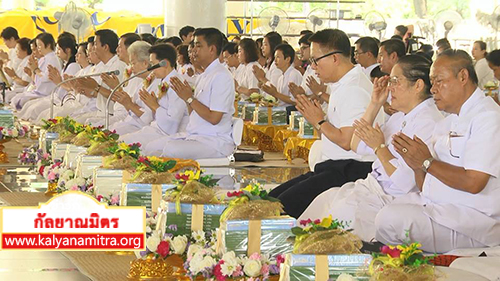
(145, 136)
(395, 220)
(99, 120)
(355, 203)
(19, 100)
(35, 109)
(187, 149)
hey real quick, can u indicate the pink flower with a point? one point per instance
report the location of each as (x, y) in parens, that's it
(255, 256)
(318, 221)
(51, 176)
(74, 187)
(305, 222)
(265, 269)
(280, 259)
(99, 198)
(218, 271)
(394, 252)
(238, 271)
(115, 200)
(234, 194)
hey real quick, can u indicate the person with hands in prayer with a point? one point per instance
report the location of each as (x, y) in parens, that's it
(330, 57)
(283, 58)
(459, 176)
(210, 108)
(360, 201)
(271, 73)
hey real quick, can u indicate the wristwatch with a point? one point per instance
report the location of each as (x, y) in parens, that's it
(379, 147)
(320, 93)
(427, 163)
(318, 126)
(189, 100)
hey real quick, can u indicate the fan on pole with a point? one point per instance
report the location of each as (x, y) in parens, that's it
(447, 21)
(75, 20)
(375, 25)
(317, 19)
(273, 19)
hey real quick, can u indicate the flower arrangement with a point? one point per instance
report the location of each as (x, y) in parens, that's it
(30, 155)
(83, 138)
(153, 170)
(101, 142)
(67, 128)
(55, 171)
(192, 187)
(111, 200)
(181, 245)
(69, 181)
(325, 236)
(151, 220)
(401, 262)
(50, 124)
(162, 89)
(228, 266)
(17, 131)
(251, 202)
(128, 73)
(147, 82)
(123, 156)
(45, 160)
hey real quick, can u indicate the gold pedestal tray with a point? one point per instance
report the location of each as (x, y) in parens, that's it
(4, 158)
(51, 189)
(170, 268)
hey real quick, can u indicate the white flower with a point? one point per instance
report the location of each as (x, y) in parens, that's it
(230, 263)
(345, 277)
(67, 175)
(193, 249)
(15, 133)
(252, 268)
(195, 263)
(179, 244)
(148, 229)
(199, 236)
(80, 181)
(208, 262)
(153, 241)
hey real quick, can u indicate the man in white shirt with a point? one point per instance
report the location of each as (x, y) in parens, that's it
(459, 180)
(366, 54)
(351, 94)
(168, 111)
(230, 55)
(283, 57)
(390, 52)
(209, 130)
(10, 36)
(105, 45)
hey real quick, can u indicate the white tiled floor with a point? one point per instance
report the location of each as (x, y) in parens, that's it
(30, 265)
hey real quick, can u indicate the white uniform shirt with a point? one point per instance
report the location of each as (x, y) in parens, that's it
(131, 88)
(172, 115)
(368, 70)
(310, 72)
(247, 78)
(273, 74)
(348, 101)
(214, 89)
(484, 72)
(290, 75)
(147, 116)
(14, 63)
(421, 122)
(113, 64)
(238, 73)
(183, 72)
(21, 74)
(71, 70)
(43, 85)
(87, 103)
(473, 147)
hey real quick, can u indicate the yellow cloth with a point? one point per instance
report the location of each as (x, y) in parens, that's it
(282, 136)
(298, 147)
(261, 136)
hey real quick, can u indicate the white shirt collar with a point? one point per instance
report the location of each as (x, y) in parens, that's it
(471, 101)
(170, 75)
(111, 61)
(415, 111)
(212, 66)
(346, 78)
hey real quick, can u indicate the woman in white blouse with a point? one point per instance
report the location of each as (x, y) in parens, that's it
(66, 51)
(483, 71)
(358, 202)
(272, 73)
(40, 71)
(248, 56)
(19, 77)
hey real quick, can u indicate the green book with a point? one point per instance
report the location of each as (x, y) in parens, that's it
(180, 224)
(302, 267)
(139, 194)
(275, 234)
(6, 118)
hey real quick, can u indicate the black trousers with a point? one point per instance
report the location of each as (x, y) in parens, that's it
(298, 193)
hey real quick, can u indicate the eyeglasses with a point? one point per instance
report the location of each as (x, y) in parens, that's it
(315, 60)
(356, 53)
(305, 47)
(453, 135)
(393, 81)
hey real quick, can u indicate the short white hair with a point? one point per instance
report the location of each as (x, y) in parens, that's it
(140, 49)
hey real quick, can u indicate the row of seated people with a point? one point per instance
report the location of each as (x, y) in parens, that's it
(435, 177)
